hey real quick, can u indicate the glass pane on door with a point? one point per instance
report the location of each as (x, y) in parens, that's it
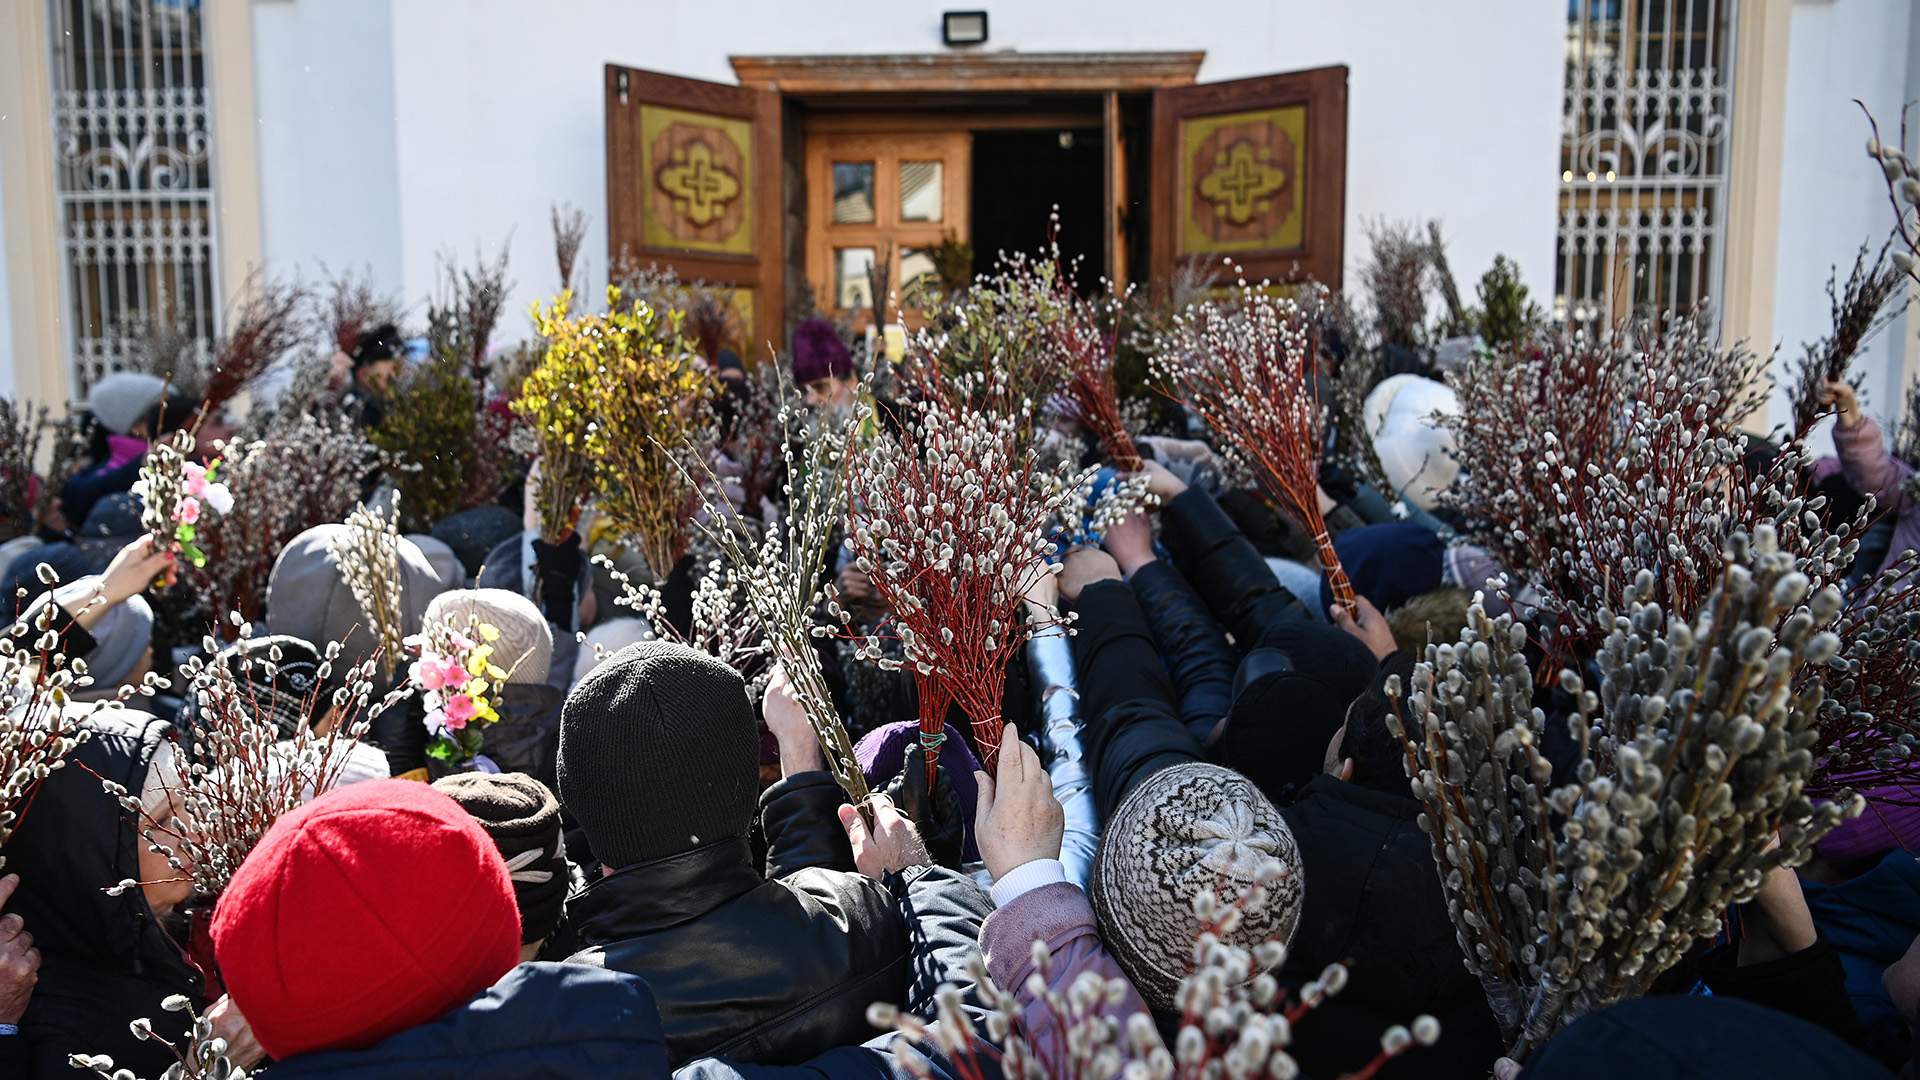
(853, 193)
(922, 189)
(851, 289)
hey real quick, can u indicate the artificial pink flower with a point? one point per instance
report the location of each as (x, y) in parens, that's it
(434, 673)
(193, 479)
(187, 511)
(460, 709)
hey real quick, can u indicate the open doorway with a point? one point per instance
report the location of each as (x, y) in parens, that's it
(1018, 179)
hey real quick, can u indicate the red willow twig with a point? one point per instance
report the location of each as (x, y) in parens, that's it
(269, 323)
(950, 523)
(1086, 332)
(1246, 366)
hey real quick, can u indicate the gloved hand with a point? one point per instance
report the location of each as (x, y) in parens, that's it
(557, 570)
(935, 811)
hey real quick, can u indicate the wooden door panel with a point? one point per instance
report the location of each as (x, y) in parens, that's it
(693, 183)
(887, 232)
(1253, 170)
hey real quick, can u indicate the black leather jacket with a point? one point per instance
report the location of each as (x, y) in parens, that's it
(766, 970)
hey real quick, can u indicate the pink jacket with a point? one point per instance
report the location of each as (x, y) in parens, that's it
(1873, 470)
(1059, 915)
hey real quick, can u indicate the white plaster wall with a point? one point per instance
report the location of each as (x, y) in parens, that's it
(1832, 197)
(495, 108)
(323, 84)
(8, 362)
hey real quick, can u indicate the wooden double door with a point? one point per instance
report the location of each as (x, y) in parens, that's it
(734, 185)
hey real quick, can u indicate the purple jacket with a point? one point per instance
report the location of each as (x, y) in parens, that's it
(1873, 470)
(1059, 915)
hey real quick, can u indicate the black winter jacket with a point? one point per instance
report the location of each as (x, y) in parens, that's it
(558, 1021)
(1372, 898)
(1374, 903)
(104, 960)
(944, 911)
(772, 969)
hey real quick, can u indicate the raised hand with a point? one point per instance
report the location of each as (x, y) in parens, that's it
(1017, 820)
(19, 960)
(890, 846)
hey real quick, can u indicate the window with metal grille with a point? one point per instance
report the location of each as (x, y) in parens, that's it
(133, 179)
(1645, 124)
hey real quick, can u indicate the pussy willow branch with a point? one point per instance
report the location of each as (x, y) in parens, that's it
(1697, 750)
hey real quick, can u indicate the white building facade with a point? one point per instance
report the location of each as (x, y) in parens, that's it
(390, 134)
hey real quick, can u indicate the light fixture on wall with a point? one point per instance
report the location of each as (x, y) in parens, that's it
(963, 27)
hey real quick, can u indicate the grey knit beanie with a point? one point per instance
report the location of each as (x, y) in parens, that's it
(122, 398)
(441, 557)
(307, 598)
(523, 818)
(525, 647)
(659, 754)
(1184, 829)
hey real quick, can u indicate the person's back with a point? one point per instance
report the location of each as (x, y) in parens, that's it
(374, 932)
(659, 764)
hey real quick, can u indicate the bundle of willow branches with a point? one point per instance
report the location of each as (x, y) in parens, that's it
(303, 471)
(246, 773)
(21, 429)
(42, 724)
(1246, 366)
(367, 553)
(1870, 719)
(1699, 748)
(782, 573)
(1859, 310)
(952, 519)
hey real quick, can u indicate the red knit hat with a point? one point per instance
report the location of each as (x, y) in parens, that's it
(370, 910)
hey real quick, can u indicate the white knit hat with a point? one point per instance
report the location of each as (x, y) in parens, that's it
(123, 397)
(1415, 452)
(525, 647)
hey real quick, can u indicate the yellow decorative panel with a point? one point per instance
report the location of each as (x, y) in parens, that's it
(751, 348)
(1244, 181)
(699, 174)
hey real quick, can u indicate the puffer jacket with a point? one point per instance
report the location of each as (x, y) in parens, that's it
(756, 969)
(558, 1021)
(105, 960)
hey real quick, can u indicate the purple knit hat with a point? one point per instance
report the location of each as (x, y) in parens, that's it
(818, 353)
(883, 750)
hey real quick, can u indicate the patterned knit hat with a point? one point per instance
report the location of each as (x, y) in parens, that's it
(283, 679)
(1184, 829)
(659, 754)
(523, 818)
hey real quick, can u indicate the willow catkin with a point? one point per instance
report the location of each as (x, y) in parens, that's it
(245, 773)
(1568, 897)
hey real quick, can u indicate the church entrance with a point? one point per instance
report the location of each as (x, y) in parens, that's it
(825, 182)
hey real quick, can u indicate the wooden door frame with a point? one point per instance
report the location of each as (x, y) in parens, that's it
(885, 80)
(973, 72)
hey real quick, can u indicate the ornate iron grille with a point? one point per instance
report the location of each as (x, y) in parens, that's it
(1645, 124)
(133, 179)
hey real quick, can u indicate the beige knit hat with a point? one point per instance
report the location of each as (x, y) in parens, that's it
(525, 647)
(1186, 829)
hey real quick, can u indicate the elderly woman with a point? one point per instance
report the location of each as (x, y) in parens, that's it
(105, 957)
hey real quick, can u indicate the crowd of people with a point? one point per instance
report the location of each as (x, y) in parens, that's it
(649, 866)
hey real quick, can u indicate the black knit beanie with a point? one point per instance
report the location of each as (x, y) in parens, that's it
(523, 818)
(659, 754)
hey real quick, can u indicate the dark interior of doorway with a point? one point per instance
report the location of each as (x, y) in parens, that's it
(1018, 179)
